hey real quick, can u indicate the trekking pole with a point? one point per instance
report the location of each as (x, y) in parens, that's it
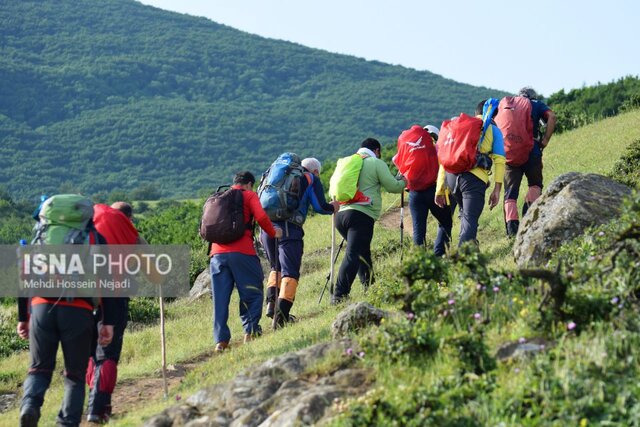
(329, 275)
(401, 224)
(333, 250)
(164, 345)
(276, 252)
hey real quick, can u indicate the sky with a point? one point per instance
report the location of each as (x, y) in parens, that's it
(501, 44)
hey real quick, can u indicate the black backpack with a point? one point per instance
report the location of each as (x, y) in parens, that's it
(223, 216)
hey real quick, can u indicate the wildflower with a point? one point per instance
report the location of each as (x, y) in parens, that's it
(410, 316)
(382, 320)
(509, 276)
(444, 313)
(178, 397)
(620, 305)
(349, 351)
(615, 300)
(571, 326)
(451, 302)
(496, 289)
(477, 316)
(584, 422)
(522, 340)
(361, 355)
(524, 312)
(601, 233)
(479, 286)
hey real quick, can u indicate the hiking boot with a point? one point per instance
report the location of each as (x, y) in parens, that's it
(271, 306)
(29, 417)
(249, 338)
(512, 228)
(221, 346)
(97, 419)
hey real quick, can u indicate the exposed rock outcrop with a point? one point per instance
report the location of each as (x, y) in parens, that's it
(572, 203)
(356, 317)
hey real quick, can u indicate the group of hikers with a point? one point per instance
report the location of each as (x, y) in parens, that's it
(441, 168)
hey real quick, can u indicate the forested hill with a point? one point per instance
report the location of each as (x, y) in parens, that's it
(112, 94)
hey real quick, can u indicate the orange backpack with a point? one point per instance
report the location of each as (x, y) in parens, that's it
(515, 122)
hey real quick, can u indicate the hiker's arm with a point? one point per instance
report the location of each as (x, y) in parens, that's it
(498, 156)
(23, 318)
(319, 202)
(387, 180)
(494, 197)
(440, 198)
(551, 127)
(259, 214)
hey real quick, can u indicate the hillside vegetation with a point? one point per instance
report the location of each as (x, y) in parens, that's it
(107, 95)
(428, 368)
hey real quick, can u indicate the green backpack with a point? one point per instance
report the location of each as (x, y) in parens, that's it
(343, 185)
(64, 219)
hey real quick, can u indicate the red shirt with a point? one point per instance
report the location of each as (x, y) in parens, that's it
(252, 209)
(114, 226)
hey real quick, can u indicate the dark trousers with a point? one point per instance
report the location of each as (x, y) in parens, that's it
(288, 256)
(103, 372)
(357, 229)
(469, 193)
(421, 203)
(49, 326)
(532, 170)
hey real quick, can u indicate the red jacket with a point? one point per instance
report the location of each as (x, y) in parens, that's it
(252, 209)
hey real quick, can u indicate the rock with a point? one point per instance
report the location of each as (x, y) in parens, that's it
(201, 287)
(280, 392)
(517, 350)
(572, 203)
(7, 401)
(355, 317)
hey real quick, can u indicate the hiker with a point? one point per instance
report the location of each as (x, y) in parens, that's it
(48, 322)
(417, 160)
(236, 263)
(355, 220)
(285, 254)
(115, 223)
(519, 119)
(468, 187)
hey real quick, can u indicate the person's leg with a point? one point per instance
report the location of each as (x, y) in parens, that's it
(291, 251)
(473, 191)
(43, 346)
(103, 368)
(419, 207)
(221, 288)
(76, 334)
(512, 180)
(533, 172)
(273, 282)
(444, 216)
(247, 274)
(357, 228)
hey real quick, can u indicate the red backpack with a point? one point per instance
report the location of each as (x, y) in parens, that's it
(458, 143)
(417, 159)
(515, 122)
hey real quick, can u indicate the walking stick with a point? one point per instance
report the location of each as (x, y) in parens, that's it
(164, 345)
(333, 251)
(276, 252)
(335, 258)
(401, 224)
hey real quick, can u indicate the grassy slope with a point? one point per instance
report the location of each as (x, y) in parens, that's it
(591, 149)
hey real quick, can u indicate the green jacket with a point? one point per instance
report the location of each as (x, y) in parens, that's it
(374, 175)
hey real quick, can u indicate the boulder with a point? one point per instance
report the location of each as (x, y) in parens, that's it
(201, 286)
(283, 391)
(356, 317)
(572, 203)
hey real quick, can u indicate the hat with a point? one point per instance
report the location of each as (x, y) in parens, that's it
(311, 164)
(432, 129)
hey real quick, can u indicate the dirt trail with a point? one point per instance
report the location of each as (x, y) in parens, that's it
(391, 220)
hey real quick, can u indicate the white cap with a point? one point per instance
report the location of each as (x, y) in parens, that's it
(432, 129)
(311, 164)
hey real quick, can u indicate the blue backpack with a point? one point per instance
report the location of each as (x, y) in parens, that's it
(280, 186)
